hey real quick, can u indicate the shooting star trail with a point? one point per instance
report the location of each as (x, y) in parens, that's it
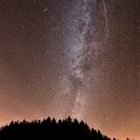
(106, 18)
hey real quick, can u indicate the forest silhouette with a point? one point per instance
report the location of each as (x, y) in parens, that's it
(50, 129)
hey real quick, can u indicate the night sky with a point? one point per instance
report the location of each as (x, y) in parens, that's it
(78, 58)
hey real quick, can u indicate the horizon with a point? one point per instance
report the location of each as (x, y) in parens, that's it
(57, 119)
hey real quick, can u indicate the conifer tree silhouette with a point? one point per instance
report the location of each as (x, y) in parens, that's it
(50, 129)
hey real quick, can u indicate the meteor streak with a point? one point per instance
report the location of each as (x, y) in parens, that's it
(106, 18)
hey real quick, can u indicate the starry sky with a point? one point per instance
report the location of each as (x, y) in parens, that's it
(78, 58)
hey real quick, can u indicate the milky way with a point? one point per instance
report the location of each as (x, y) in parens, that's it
(78, 58)
(78, 54)
(82, 44)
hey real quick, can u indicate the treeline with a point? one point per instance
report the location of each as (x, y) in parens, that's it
(50, 129)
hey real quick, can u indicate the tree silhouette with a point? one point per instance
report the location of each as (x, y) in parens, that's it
(49, 129)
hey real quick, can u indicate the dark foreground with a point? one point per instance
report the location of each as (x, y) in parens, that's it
(49, 129)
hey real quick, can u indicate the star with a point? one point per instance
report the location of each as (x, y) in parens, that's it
(45, 9)
(23, 26)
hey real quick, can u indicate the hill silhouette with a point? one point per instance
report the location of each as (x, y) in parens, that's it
(50, 129)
